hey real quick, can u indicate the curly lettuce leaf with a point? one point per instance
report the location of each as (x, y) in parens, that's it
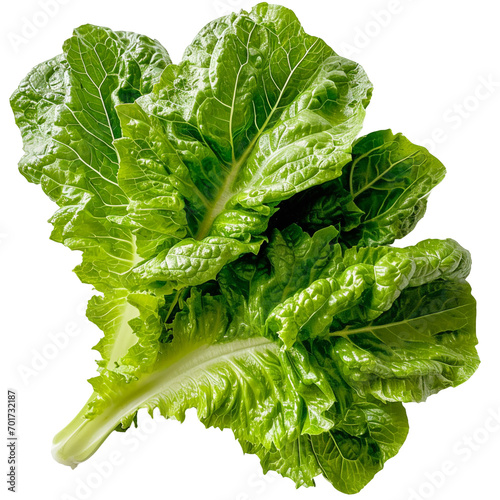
(248, 384)
(293, 260)
(348, 456)
(424, 343)
(337, 393)
(364, 283)
(400, 323)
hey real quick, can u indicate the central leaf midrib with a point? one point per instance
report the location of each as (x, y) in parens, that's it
(85, 434)
(379, 176)
(371, 328)
(124, 337)
(226, 191)
(165, 377)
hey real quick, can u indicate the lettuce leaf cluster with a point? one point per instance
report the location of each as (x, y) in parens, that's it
(238, 234)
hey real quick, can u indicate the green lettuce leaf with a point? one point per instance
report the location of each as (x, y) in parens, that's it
(379, 198)
(256, 112)
(348, 456)
(65, 109)
(423, 344)
(362, 284)
(248, 384)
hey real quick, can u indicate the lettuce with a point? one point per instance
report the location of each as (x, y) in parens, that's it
(237, 233)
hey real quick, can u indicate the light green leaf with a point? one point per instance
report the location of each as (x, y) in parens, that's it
(65, 109)
(112, 313)
(363, 285)
(244, 383)
(73, 98)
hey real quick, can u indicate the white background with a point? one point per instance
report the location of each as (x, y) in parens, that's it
(428, 62)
